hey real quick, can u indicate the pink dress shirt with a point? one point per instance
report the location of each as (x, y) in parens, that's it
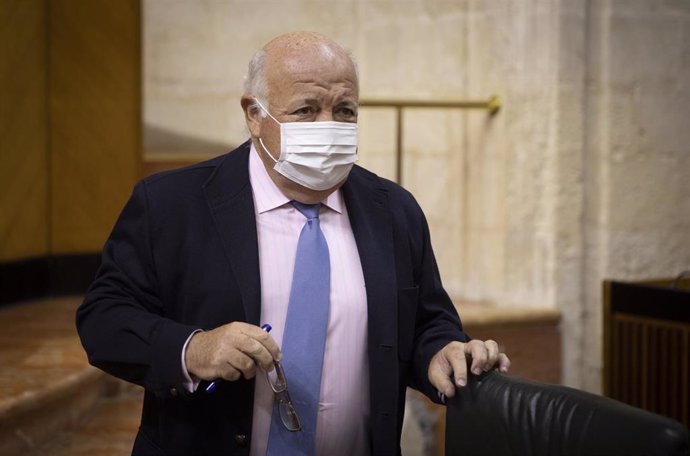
(342, 426)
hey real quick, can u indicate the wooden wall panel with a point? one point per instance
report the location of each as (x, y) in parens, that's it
(647, 346)
(95, 110)
(23, 130)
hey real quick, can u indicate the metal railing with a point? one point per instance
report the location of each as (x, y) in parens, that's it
(493, 105)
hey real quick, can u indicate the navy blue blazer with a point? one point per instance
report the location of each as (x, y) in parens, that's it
(183, 256)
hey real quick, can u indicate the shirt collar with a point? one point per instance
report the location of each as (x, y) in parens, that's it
(267, 195)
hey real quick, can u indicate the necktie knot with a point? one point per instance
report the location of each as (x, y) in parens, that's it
(310, 211)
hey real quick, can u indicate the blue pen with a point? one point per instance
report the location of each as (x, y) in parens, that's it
(212, 386)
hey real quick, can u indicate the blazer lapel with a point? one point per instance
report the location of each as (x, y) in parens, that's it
(372, 226)
(229, 197)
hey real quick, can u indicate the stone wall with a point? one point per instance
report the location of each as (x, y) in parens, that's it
(582, 175)
(637, 149)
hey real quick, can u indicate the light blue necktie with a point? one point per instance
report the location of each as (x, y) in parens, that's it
(304, 337)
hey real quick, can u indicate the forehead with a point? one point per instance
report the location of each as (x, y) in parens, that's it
(317, 66)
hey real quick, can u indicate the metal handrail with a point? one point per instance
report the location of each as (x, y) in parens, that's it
(493, 105)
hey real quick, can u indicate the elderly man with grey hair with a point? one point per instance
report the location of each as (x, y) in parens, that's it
(278, 299)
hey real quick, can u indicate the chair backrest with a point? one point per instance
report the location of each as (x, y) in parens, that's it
(499, 415)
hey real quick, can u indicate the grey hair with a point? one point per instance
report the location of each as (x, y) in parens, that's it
(255, 81)
(255, 84)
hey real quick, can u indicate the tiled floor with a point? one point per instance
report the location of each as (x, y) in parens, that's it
(108, 431)
(47, 387)
(38, 347)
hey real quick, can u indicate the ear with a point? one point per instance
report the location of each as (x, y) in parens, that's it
(252, 115)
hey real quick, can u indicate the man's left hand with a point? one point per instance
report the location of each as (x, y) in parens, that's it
(449, 365)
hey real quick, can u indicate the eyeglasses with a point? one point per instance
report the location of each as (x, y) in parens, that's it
(288, 414)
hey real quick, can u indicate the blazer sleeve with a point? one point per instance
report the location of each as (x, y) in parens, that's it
(437, 321)
(122, 322)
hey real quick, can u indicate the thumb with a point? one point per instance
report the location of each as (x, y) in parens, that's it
(440, 372)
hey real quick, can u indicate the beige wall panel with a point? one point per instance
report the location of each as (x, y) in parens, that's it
(432, 162)
(23, 143)
(95, 114)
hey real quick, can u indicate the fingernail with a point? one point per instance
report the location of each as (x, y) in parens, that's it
(476, 371)
(460, 381)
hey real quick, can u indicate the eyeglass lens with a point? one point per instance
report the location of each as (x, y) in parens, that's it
(276, 378)
(288, 414)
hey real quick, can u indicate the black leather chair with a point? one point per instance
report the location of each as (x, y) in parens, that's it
(500, 415)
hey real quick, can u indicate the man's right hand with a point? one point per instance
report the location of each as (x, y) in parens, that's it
(231, 351)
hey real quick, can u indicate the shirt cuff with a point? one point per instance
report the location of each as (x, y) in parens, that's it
(190, 383)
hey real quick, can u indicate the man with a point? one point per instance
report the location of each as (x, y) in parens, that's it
(200, 257)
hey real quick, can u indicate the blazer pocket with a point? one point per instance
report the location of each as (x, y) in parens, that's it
(407, 316)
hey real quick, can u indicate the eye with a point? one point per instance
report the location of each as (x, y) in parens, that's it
(347, 111)
(303, 111)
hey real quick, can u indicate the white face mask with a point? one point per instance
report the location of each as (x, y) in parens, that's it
(317, 155)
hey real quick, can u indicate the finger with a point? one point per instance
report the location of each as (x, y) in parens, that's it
(439, 372)
(242, 363)
(479, 353)
(265, 339)
(503, 362)
(493, 352)
(257, 352)
(458, 362)
(229, 373)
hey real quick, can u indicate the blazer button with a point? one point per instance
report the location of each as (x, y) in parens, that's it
(173, 392)
(241, 440)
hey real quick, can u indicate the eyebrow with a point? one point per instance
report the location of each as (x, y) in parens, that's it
(310, 100)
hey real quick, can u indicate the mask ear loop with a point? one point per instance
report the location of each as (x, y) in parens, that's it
(275, 120)
(266, 110)
(266, 149)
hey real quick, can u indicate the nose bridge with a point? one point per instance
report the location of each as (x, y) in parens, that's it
(325, 115)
